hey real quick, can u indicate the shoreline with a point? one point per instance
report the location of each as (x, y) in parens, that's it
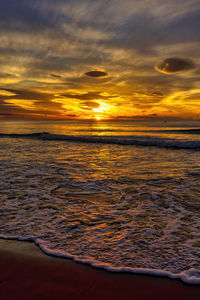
(27, 273)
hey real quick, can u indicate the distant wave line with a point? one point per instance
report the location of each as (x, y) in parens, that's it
(118, 140)
(181, 131)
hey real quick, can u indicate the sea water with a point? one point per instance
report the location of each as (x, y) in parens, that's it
(121, 195)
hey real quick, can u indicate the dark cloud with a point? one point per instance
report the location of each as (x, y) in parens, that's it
(43, 104)
(183, 29)
(137, 117)
(97, 74)
(134, 34)
(6, 114)
(72, 115)
(55, 76)
(23, 16)
(87, 96)
(174, 65)
(143, 32)
(157, 94)
(27, 95)
(7, 75)
(149, 94)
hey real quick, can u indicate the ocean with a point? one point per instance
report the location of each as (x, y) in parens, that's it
(119, 195)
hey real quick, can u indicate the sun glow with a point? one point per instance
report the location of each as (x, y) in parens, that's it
(100, 112)
(100, 109)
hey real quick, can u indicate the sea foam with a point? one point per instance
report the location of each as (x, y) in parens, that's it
(190, 276)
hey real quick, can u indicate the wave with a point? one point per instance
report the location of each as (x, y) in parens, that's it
(190, 276)
(178, 131)
(118, 140)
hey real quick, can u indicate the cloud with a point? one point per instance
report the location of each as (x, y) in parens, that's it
(97, 74)
(24, 94)
(86, 96)
(158, 94)
(147, 100)
(46, 45)
(55, 76)
(90, 105)
(137, 117)
(19, 102)
(72, 115)
(174, 65)
(6, 114)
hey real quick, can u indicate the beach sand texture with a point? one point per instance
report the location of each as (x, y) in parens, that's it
(28, 274)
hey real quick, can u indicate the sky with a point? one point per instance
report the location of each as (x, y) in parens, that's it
(99, 59)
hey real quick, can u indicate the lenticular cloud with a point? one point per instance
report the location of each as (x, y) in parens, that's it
(174, 65)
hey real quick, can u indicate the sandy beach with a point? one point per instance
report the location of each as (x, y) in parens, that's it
(27, 273)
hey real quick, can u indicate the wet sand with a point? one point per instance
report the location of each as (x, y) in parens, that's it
(28, 274)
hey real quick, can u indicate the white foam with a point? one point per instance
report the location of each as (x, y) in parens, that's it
(190, 276)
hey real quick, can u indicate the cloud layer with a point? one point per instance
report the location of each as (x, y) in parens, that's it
(53, 55)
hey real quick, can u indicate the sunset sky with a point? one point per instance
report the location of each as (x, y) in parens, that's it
(99, 59)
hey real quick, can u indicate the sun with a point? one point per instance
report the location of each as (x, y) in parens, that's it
(98, 118)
